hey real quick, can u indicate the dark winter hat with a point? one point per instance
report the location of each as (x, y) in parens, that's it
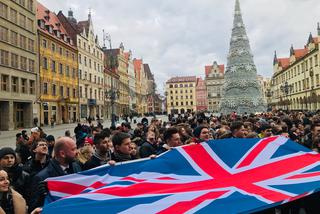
(197, 131)
(6, 151)
(50, 138)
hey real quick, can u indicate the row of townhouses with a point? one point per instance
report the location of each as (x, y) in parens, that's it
(53, 68)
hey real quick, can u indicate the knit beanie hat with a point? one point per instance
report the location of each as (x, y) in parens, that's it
(6, 151)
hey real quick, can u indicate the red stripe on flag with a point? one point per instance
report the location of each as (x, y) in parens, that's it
(204, 160)
(65, 187)
(132, 179)
(256, 151)
(166, 178)
(184, 206)
(305, 175)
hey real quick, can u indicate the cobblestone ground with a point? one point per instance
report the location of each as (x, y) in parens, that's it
(7, 138)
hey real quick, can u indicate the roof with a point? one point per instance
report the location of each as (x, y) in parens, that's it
(182, 79)
(283, 62)
(83, 25)
(52, 20)
(208, 69)
(299, 53)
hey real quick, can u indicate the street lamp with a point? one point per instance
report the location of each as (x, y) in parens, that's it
(286, 89)
(112, 95)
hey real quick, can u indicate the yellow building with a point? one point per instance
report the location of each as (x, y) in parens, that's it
(138, 70)
(18, 64)
(58, 70)
(295, 82)
(181, 94)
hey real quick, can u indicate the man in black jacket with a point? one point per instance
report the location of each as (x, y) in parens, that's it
(149, 147)
(63, 163)
(102, 154)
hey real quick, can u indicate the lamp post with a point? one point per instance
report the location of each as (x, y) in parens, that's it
(286, 89)
(269, 95)
(112, 94)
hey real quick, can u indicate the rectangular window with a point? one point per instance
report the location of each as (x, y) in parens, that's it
(44, 43)
(23, 63)
(80, 74)
(14, 38)
(61, 91)
(14, 84)
(32, 86)
(30, 5)
(45, 63)
(53, 66)
(31, 65)
(45, 88)
(22, 2)
(86, 92)
(60, 68)
(30, 24)
(74, 93)
(4, 34)
(4, 82)
(14, 60)
(23, 85)
(67, 71)
(23, 42)
(22, 20)
(67, 53)
(80, 92)
(73, 72)
(60, 50)
(3, 10)
(79, 58)
(90, 77)
(53, 47)
(54, 90)
(4, 57)
(68, 92)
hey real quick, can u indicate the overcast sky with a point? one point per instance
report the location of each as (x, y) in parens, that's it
(180, 37)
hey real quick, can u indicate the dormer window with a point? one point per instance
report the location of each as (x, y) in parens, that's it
(41, 24)
(71, 42)
(58, 34)
(65, 38)
(49, 27)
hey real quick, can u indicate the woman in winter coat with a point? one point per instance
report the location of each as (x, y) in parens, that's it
(11, 201)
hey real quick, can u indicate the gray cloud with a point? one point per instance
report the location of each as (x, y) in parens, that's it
(181, 37)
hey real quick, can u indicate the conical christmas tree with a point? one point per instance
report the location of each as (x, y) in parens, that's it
(241, 90)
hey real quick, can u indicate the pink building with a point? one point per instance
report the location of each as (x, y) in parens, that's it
(201, 95)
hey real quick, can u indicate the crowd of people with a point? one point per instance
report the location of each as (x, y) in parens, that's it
(40, 155)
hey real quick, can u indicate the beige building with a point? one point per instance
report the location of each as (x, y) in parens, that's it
(214, 81)
(295, 82)
(91, 71)
(181, 94)
(18, 64)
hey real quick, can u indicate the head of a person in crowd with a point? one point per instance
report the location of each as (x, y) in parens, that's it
(121, 143)
(252, 134)
(151, 137)
(19, 138)
(50, 140)
(172, 137)
(277, 130)
(152, 128)
(7, 157)
(85, 153)
(65, 150)
(118, 127)
(265, 130)
(40, 147)
(315, 128)
(96, 130)
(88, 141)
(237, 129)
(126, 127)
(4, 181)
(134, 151)
(67, 133)
(202, 133)
(101, 143)
(35, 133)
(25, 134)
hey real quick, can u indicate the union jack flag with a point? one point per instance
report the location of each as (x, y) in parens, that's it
(221, 176)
